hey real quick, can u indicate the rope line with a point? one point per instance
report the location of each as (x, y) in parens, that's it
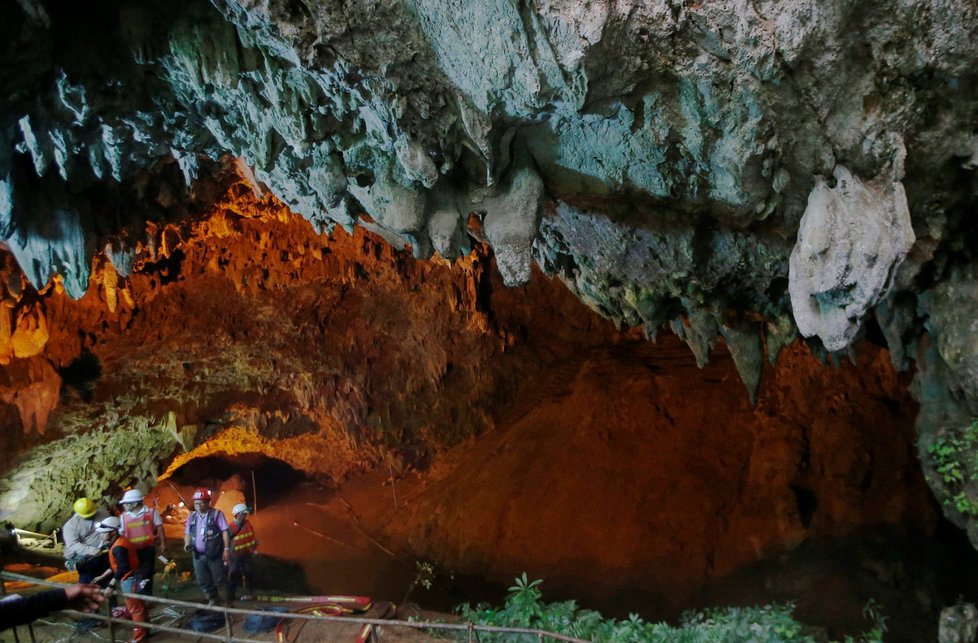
(469, 628)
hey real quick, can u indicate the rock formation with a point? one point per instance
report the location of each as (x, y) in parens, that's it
(755, 171)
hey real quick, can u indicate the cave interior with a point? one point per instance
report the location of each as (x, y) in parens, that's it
(670, 305)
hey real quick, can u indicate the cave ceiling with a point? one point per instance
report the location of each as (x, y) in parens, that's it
(747, 171)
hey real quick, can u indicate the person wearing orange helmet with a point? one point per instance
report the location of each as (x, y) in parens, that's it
(83, 545)
(206, 538)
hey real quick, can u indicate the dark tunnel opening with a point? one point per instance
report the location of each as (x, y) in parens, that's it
(262, 479)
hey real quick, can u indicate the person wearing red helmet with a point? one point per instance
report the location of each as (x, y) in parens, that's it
(207, 540)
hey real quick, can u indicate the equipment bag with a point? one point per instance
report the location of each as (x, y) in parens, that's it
(258, 623)
(205, 621)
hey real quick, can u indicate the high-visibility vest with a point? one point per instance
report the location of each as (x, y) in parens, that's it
(139, 530)
(244, 539)
(131, 556)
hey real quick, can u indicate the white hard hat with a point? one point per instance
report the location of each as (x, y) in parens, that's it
(133, 495)
(108, 524)
(238, 508)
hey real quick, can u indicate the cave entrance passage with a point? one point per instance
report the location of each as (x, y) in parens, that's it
(260, 478)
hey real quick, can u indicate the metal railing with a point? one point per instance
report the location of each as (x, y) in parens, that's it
(470, 629)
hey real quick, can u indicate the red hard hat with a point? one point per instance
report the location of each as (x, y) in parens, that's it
(202, 494)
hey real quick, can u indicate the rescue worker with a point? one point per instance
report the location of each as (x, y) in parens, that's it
(144, 529)
(83, 545)
(124, 568)
(244, 545)
(207, 540)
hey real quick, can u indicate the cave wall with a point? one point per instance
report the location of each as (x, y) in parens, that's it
(745, 171)
(248, 331)
(525, 431)
(635, 469)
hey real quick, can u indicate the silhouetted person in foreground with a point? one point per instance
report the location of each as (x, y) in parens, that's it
(21, 610)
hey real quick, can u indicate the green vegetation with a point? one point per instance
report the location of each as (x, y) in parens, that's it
(771, 623)
(954, 457)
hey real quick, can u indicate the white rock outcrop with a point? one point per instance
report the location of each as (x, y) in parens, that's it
(852, 238)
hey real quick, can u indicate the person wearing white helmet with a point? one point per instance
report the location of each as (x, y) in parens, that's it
(244, 545)
(125, 569)
(144, 529)
(83, 545)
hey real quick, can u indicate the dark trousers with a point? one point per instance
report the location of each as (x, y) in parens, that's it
(240, 574)
(93, 567)
(212, 576)
(147, 565)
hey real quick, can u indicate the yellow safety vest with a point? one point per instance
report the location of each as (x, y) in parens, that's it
(245, 539)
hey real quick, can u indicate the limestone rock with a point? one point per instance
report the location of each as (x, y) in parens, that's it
(32, 387)
(58, 246)
(659, 157)
(30, 332)
(851, 240)
(120, 457)
(511, 224)
(958, 624)
(953, 321)
(743, 339)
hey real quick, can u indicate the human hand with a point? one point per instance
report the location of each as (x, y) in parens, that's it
(103, 575)
(84, 597)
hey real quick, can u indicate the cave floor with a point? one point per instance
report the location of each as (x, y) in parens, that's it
(320, 540)
(64, 628)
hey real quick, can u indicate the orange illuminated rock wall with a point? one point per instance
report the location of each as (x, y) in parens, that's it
(326, 350)
(633, 468)
(526, 431)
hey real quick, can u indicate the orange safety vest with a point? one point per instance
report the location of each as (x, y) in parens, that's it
(133, 558)
(244, 539)
(139, 531)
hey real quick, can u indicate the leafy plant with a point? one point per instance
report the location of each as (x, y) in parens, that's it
(872, 612)
(954, 457)
(770, 623)
(424, 575)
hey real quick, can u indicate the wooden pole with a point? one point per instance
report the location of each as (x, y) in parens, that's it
(254, 493)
